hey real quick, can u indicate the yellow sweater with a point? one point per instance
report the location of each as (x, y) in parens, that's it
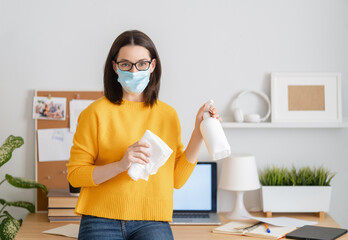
(104, 132)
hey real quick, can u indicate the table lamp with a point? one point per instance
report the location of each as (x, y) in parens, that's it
(239, 174)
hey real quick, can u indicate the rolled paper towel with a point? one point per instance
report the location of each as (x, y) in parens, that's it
(159, 154)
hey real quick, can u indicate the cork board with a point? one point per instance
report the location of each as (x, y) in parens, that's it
(53, 174)
(306, 98)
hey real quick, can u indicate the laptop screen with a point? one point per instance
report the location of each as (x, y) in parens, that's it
(199, 192)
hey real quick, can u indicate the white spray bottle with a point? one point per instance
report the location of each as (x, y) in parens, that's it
(214, 136)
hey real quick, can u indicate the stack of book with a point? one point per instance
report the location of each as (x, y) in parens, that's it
(61, 206)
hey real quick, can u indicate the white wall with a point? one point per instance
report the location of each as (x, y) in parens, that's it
(209, 49)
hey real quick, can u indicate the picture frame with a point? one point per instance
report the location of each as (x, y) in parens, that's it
(306, 97)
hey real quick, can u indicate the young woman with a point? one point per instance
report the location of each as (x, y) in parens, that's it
(106, 143)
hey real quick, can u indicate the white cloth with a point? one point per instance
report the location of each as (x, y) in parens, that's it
(159, 154)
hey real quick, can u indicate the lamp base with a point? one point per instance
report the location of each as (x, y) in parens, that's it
(239, 212)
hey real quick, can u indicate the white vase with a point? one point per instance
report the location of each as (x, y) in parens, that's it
(296, 198)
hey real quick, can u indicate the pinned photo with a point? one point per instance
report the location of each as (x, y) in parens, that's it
(49, 108)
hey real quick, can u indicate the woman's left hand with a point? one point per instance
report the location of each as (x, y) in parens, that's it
(199, 117)
(196, 139)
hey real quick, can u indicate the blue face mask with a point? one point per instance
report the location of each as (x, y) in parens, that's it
(133, 82)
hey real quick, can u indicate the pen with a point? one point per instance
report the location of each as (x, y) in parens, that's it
(249, 228)
(267, 228)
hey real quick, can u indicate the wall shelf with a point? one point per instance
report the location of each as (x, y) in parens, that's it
(344, 124)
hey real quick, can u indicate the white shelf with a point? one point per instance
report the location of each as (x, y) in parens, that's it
(344, 124)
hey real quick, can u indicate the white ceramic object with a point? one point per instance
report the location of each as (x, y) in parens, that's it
(296, 198)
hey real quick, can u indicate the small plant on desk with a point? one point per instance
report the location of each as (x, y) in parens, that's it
(9, 226)
(310, 186)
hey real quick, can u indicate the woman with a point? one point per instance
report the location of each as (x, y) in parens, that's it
(106, 143)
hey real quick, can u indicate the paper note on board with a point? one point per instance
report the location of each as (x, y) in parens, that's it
(49, 108)
(76, 107)
(54, 144)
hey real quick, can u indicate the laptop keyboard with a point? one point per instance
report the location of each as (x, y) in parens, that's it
(190, 215)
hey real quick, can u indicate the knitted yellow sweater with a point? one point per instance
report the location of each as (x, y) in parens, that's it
(104, 132)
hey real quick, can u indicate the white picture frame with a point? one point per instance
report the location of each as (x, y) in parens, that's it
(327, 97)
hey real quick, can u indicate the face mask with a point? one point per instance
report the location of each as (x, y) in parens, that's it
(133, 82)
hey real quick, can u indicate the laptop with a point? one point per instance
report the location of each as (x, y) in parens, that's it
(195, 203)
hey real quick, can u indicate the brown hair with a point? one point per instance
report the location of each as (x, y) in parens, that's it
(112, 88)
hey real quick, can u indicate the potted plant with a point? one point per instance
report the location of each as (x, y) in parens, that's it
(9, 226)
(296, 190)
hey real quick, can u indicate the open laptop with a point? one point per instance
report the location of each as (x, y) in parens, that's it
(195, 203)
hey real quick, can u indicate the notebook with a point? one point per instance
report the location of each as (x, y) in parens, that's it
(195, 203)
(316, 233)
(258, 230)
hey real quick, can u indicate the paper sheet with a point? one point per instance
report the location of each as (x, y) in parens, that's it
(76, 107)
(70, 230)
(284, 221)
(54, 144)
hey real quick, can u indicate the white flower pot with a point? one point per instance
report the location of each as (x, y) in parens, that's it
(296, 198)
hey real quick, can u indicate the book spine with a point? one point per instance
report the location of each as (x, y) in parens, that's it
(64, 219)
(62, 212)
(57, 202)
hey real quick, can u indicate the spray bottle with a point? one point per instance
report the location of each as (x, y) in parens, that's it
(214, 136)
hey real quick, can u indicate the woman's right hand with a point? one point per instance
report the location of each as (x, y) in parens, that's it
(136, 153)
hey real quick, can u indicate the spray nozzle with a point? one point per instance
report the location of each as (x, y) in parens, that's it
(209, 104)
(206, 113)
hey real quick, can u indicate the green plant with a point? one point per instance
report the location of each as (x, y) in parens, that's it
(9, 226)
(305, 176)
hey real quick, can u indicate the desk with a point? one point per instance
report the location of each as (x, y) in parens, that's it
(34, 224)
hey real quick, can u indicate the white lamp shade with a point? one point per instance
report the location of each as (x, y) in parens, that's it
(239, 173)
